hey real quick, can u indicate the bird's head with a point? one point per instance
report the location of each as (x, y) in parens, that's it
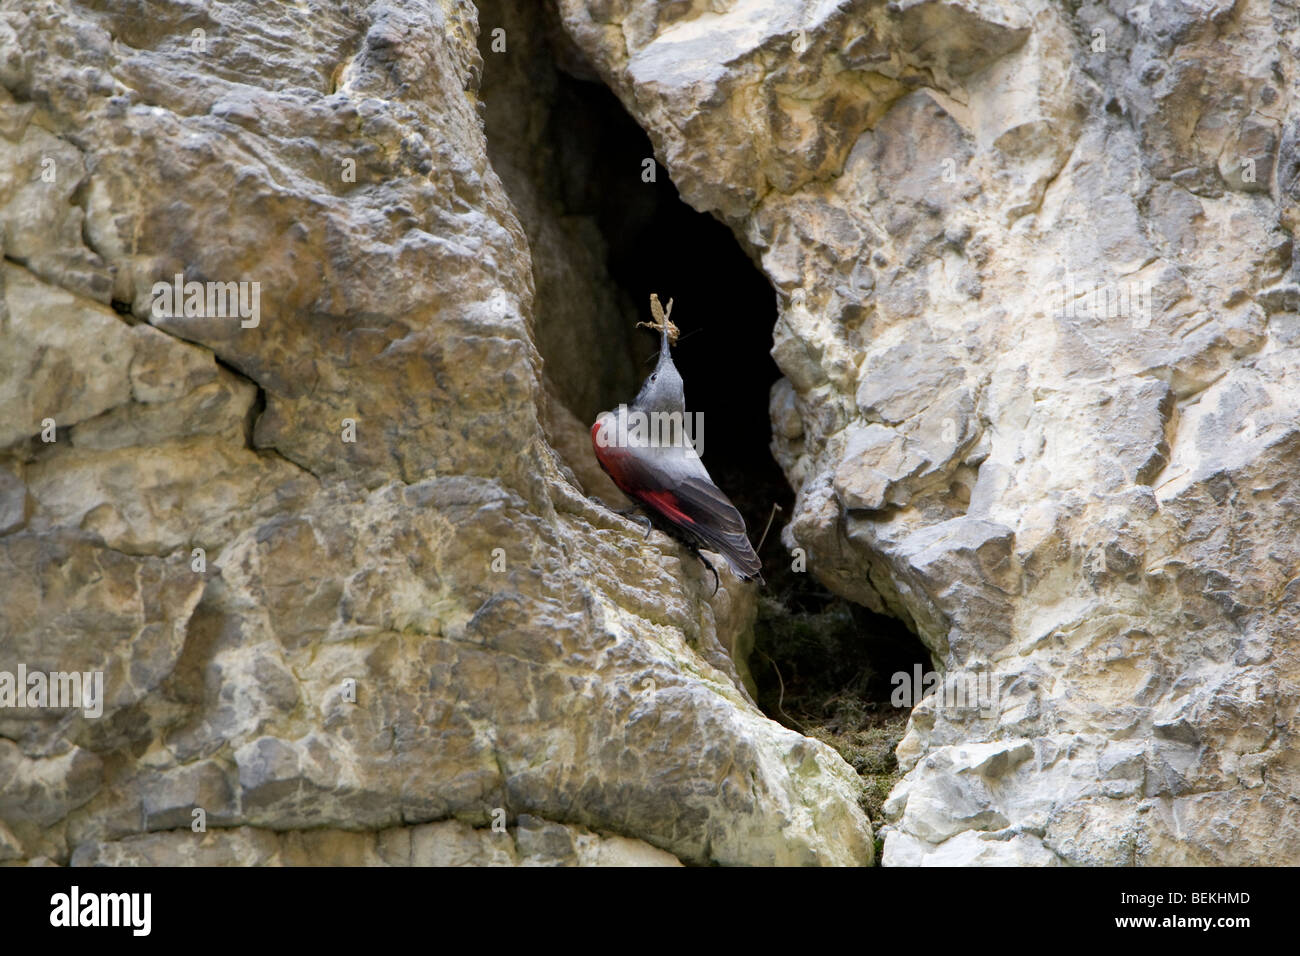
(663, 391)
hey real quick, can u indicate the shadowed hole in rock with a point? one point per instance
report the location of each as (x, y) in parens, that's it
(822, 665)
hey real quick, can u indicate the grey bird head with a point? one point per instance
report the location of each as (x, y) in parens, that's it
(663, 390)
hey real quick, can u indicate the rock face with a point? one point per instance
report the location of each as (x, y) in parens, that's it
(532, 842)
(1038, 326)
(323, 528)
(346, 599)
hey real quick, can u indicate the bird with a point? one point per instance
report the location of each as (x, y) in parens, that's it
(666, 478)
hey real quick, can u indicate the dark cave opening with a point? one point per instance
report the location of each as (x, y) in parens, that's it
(822, 664)
(657, 243)
(726, 309)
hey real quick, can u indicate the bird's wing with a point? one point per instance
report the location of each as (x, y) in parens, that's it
(677, 486)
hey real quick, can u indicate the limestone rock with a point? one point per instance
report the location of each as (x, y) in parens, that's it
(534, 842)
(1035, 266)
(346, 598)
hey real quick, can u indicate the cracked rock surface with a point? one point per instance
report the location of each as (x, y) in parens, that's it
(1039, 335)
(346, 598)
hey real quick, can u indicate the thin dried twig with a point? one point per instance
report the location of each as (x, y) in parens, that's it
(781, 698)
(775, 509)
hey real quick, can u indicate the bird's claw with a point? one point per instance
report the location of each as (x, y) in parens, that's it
(709, 564)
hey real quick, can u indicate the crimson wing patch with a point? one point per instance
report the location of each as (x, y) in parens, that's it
(693, 506)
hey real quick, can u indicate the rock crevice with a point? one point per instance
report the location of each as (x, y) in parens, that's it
(1034, 329)
(402, 609)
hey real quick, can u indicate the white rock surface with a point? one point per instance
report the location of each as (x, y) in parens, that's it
(1091, 496)
(399, 636)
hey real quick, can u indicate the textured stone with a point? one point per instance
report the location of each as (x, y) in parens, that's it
(42, 790)
(1038, 328)
(1035, 266)
(535, 842)
(64, 357)
(347, 597)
